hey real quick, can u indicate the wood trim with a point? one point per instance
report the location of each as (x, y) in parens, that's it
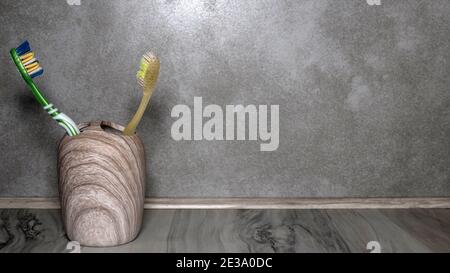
(253, 203)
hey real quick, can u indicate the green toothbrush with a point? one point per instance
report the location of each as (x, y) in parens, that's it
(29, 68)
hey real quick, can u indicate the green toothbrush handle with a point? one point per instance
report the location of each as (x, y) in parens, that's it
(67, 123)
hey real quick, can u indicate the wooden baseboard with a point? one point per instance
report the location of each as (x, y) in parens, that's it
(253, 203)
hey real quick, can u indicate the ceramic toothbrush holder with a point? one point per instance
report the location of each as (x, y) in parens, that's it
(101, 184)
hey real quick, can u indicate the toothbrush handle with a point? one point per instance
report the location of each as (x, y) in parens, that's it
(67, 123)
(131, 127)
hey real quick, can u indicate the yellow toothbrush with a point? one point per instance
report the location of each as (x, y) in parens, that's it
(147, 77)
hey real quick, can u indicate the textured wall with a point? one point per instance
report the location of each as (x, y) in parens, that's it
(363, 92)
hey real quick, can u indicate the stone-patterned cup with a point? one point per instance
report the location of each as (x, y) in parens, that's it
(101, 184)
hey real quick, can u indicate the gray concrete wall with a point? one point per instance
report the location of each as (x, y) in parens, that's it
(363, 92)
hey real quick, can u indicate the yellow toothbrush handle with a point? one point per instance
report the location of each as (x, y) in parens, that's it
(131, 127)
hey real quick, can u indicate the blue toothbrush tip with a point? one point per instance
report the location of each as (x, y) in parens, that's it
(23, 48)
(37, 73)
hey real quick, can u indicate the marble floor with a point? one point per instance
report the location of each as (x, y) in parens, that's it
(407, 230)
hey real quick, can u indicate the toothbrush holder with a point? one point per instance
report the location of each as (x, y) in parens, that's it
(101, 175)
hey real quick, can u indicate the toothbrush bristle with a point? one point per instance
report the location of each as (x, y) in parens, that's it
(37, 72)
(28, 60)
(23, 48)
(146, 60)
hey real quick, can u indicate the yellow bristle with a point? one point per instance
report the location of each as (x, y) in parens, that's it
(29, 70)
(148, 72)
(27, 59)
(32, 65)
(143, 69)
(27, 56)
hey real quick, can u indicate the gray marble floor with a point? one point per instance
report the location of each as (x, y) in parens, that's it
(412, 230)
